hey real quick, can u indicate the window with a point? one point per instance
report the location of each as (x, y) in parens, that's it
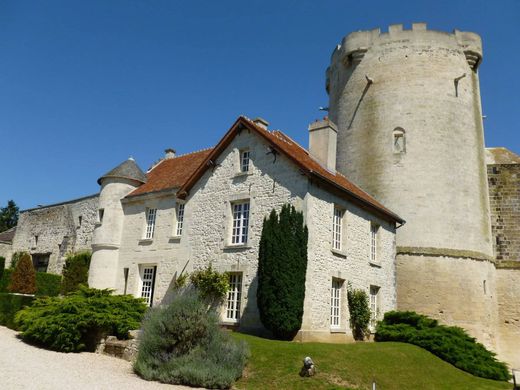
(147, 283)
(80, 220)
(399, 141)
(240, 223)
(35, 241)
(374, 297)
(374, 228)
(40, 262)
(101, 214)
(336, 228)
(244, 161)
(150, 223)
(180, 219)
(234, 296)
(335, 303)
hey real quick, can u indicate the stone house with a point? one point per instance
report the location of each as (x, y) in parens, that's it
(207, 208)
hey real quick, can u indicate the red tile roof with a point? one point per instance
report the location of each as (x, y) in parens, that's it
(284, 144)
(172, 172)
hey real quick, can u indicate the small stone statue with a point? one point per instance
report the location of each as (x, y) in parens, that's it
(308, 368)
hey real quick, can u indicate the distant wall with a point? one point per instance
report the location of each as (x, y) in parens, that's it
(58, 230)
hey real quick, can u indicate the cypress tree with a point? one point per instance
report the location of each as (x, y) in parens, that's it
(75, 272)
(282, 265)
(23, 279)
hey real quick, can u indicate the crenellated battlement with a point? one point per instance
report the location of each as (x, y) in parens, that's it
(354, 46)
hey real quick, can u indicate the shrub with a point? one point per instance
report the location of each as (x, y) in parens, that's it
(359, 308)
(183, 344)
(23, 279)
(450, 343)
(282, 265)
(15, 258)
(77, 321)
(75, 271)
(2, 266)
(211, 285)
(47, 285)
(9, 305)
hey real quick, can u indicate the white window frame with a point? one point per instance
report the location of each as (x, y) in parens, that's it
(151, 215)
(374, 233)
(147, 275)
(374, 306)
(240, 215)
(335, 303)
(234, 297)
(180, 219)
(245, 160)
(337, 227)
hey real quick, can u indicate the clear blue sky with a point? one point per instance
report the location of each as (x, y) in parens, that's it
(86, 84)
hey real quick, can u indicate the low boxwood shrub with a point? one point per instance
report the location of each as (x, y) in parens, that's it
(77, 321)
(10, 304)
(183, 344)
(450, 343)
(47, 285)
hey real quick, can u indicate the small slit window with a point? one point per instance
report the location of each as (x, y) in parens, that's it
(399, 140)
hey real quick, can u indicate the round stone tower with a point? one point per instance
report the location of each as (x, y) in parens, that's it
(115, 185)
(407, 107)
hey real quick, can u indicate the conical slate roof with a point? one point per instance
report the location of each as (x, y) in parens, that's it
(126, 170)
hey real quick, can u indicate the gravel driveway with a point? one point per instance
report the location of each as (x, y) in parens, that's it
(26, 367)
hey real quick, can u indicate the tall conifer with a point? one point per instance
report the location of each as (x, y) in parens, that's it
(282, 266)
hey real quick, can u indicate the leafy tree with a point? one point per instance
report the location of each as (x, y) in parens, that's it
(282, 265)
(211, 285)
(23, 279)
(75, 271)
(8, 216)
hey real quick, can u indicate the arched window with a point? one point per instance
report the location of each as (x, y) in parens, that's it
(399, 140)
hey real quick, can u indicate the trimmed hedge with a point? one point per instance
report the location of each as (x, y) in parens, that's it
(10, 304)
(46, 284)
(450, 343)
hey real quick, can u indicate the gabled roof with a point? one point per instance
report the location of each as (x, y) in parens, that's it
(8, 235)
(171, 172)
(126, 170)
(298, 155)
(501, 156)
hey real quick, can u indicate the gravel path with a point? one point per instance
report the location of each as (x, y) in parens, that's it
(26, 367)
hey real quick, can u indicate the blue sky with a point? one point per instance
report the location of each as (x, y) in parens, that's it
(86, 84)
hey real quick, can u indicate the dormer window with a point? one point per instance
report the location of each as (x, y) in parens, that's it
(244, 160)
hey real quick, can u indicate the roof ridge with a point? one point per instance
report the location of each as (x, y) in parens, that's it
(158, 162)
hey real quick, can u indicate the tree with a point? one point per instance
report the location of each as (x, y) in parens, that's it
(23, 279)
(359, 309)
(282, 266)
(8, 216)
(75, 271)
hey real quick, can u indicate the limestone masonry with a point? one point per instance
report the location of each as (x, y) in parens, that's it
(400, 196)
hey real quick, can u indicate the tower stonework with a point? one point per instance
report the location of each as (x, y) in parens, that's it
(407, 107)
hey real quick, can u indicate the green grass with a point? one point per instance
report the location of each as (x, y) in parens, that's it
(276, 364)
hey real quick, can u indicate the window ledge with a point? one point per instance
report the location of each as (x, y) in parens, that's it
(378, 265)
(145, 241)
(228, 322)
(338, 330)
(339, 253)
(243, 174)
(97, 224)
(174, 238)
(237, 246)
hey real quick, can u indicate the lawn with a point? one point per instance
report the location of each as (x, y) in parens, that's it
(276, 364)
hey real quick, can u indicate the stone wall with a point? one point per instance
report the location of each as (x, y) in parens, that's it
(508, 296)
(6, 252)
(207, 230)
(504, 196)
(56, 230)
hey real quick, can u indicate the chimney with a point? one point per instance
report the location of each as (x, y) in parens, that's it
(169, 153)
(322, 142)
(261, 122)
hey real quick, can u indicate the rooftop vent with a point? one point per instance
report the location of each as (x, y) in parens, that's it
(261, 122)
(169, 153)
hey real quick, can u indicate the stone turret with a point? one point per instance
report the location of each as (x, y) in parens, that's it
(407, 107)
(115, 185)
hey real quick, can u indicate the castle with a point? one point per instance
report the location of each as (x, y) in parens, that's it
(398, 191)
